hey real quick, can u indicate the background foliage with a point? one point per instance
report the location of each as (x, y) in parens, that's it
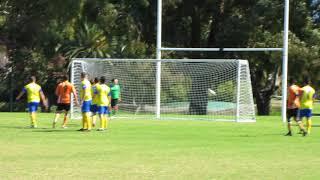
(41, 36)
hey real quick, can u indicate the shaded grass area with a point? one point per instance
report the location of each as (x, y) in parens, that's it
(151, 149)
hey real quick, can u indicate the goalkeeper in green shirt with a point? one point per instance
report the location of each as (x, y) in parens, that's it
(115, 96)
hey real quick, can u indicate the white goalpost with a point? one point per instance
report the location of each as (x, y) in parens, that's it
(194, 89)
(284, 50)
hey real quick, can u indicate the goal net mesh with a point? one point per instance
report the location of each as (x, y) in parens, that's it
(190, 89)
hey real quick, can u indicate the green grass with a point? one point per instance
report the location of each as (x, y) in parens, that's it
(141, 149)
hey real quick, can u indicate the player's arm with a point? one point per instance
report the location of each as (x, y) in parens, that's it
(300, 93)
(21, 94)
(109, 98)
(120, 95)
(314, 97)
(95, 92)
(82, 93)
(57, 90)
(74, 92)
(43, 98)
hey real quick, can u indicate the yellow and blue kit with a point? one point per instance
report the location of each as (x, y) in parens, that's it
(86, 96)
(306, 102)
(103, 94)
(33, 96)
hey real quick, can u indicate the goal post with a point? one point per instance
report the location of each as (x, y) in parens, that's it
(195, 89)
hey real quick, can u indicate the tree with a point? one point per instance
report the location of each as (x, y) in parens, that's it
(227, 23)
(89, 41)
(45, 31)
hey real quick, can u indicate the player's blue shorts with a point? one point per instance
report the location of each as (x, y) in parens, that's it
(86, 106)
(103, 110)
(304, 113)
(94, 108)
(33, 106)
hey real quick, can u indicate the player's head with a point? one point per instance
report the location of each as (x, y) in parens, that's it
(96, 80)
(102, 80)
(32, 79)
(115, 81)
(306, 81)
(292, 81)
(65, 77)
(84, 75)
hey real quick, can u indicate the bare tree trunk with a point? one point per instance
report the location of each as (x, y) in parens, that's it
(264, 93)
(216, 24)
(198, 94)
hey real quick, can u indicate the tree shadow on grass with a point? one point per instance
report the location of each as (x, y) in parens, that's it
(256, 135)
(14, 127)
(313, 125)
(41, 129)
(54, 130)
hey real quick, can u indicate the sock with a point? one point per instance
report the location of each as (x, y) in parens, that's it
(55, 120)
(289, 127)
(309, 125)
(89, 123)
(104, 122)
(116, 108)
(84, 121)
(33, 119)
(101, 121)
(65, 120)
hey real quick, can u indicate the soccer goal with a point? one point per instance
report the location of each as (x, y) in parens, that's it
(194, 89)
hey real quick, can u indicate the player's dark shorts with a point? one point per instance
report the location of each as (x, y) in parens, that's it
(304, 113)
(292, 113)
(63, 106)
(114, 102)
(94, 108)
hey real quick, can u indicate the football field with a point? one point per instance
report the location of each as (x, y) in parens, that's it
(157, 149)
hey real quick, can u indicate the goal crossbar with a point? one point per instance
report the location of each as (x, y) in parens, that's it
(223, 49)
(154, 60)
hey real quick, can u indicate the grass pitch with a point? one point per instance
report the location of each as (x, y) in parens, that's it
(140, 149)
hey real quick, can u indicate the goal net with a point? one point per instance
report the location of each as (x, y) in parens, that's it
(195, 89)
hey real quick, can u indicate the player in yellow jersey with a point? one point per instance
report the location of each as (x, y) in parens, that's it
(94, 106)
(104, 97)
(34, 93)
(86, 99)
(306, 100)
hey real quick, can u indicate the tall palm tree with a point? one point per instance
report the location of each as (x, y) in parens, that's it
(90, 41)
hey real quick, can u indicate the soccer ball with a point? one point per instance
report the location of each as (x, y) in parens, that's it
(211, 92)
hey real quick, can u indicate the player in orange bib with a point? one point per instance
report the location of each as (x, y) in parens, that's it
(293, 105)
(63, 91)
